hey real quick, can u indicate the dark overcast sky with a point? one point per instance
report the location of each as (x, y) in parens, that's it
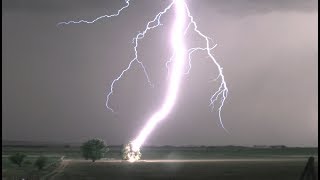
(55, 79)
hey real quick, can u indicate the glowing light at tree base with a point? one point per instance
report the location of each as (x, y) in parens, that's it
(129, 154)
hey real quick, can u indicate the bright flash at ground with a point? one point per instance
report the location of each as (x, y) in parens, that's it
(130, 154)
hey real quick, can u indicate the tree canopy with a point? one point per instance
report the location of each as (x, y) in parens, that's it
(94, 149)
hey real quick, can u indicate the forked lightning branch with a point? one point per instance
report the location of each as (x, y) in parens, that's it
(183, 23)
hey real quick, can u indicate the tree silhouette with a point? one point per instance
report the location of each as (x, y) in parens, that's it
(94, 149)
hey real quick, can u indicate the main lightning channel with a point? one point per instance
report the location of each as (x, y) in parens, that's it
(177, 62)
(177, 40)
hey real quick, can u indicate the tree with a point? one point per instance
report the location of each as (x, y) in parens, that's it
(125, 151)
(94, 149)
(17, 158)
(129, 154)
(41, 162)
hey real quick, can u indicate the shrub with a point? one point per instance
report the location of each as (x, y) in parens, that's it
(17, 158)
(41, 162)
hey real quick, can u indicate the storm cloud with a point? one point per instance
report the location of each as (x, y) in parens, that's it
(55, 79)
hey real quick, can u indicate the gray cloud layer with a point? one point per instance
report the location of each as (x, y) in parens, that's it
(228, 6)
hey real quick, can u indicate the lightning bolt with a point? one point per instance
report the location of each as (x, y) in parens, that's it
(177, 62)
(98, 18)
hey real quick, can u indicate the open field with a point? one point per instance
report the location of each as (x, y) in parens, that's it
(262, 169)
(12, 171)
(168, 152)
(164, 163)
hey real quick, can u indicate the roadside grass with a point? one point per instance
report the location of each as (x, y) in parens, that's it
(28, 170)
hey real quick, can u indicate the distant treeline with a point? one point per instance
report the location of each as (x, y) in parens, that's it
(152, 147)
(25, 144)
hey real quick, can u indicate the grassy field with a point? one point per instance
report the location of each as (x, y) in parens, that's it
(12, 171)
(76, 168)
(269, 170)
(168, 153)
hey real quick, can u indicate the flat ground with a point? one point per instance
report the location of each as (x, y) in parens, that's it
(223, 169)
(163, 163)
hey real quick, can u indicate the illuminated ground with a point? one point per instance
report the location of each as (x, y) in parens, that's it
(260, 168)
(164, 163)
(194, 160)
